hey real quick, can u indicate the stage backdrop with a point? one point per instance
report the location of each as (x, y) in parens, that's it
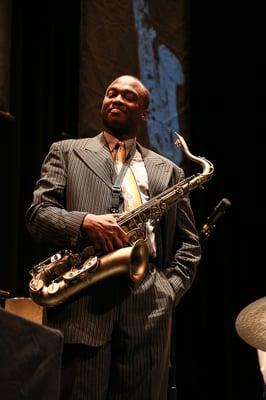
(5, 40)
(148, 39)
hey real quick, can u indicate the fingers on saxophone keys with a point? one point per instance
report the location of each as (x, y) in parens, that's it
(120, 239)
(109, 246)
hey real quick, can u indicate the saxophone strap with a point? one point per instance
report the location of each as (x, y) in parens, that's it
(117, 186)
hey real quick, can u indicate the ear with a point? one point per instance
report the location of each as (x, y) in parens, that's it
(144, 115)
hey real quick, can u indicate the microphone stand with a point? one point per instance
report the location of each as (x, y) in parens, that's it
(204, 234)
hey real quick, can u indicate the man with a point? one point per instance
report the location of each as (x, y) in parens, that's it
(117, 336)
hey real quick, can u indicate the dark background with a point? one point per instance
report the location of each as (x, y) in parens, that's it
(227, 110)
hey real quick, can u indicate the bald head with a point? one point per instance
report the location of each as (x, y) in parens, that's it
(125, 106)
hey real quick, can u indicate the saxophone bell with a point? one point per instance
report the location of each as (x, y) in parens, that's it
(139, 259)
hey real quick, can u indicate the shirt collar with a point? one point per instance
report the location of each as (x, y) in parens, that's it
(112, 141)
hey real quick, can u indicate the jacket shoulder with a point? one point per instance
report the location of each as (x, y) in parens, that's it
(69, 144)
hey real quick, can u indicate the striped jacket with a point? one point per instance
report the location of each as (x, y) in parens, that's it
(76, 178)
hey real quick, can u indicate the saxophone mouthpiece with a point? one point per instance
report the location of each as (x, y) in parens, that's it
(177, 141)
(181, 143)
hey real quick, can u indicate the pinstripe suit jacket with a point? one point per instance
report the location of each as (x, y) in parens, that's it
(76, 178)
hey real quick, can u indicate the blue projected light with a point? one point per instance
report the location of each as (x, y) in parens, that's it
(161, 72)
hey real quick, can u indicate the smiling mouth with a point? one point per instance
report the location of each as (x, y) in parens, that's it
(115, 110)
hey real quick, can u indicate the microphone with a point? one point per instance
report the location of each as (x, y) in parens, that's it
(213, 217)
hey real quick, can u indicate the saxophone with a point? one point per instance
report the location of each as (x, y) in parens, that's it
(64, 275)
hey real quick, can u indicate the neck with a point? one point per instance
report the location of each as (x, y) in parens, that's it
(122, 136)
(112, 141)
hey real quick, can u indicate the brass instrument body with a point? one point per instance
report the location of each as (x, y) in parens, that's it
(132, 261)
(66, 274)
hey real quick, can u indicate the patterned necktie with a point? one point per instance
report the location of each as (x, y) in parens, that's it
(119, 155)
(130, 189)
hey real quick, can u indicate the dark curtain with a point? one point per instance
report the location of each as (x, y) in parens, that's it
(226, 125)
(44, 100)
(5, 40)
(8, 180)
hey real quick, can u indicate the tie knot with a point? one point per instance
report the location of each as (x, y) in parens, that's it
(119, 152)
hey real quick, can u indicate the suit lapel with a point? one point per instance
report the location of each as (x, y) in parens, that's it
(97, 157)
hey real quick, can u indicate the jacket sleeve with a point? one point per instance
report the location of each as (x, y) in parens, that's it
(180, 244)
(47, 219)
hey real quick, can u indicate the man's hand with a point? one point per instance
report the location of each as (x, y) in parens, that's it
(105, 231)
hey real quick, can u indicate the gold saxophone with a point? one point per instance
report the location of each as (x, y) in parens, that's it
(66, 274)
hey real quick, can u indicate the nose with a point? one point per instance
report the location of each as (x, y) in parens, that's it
(118, 98)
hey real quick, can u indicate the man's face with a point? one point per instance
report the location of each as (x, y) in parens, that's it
(122, 107)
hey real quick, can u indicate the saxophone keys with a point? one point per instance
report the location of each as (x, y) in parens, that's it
(89, 265)
(53, 288)
(36, 284)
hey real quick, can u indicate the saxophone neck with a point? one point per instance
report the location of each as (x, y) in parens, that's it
(207, 166)
(154, 208)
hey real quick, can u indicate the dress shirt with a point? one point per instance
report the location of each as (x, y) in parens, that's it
(138, 168)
